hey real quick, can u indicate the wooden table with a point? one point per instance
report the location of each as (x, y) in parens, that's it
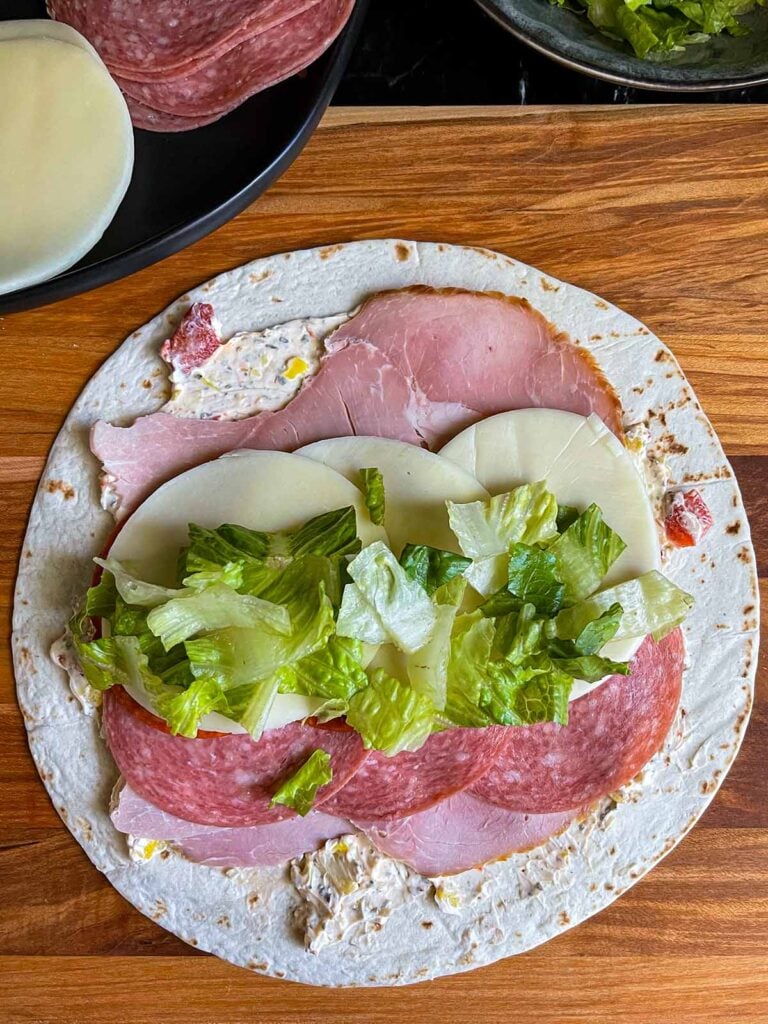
(662, 210)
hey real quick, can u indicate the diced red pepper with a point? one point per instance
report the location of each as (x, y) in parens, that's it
(194, 340)
(687, 518)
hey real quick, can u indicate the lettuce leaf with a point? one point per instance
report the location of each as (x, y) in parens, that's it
(249, 705)
(390, 716)
(427, 668)
(372, 486)
(300, 790)
(532, 577)
(650, 604)
(584, 553)
(486, 530)
(100, 599)
(133, 590)
(215, 607)
(386, 602)
(431, 567)
(333, 672)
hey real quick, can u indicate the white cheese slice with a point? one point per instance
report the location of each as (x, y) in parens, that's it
(67, 145)
(260, 490)
(417, 484)
(582, 462)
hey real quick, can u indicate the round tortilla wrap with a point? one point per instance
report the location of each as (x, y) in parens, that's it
(247, 917)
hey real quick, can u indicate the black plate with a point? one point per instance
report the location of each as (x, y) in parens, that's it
(186, 184)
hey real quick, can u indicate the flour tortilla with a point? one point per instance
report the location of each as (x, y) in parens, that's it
(507, 907)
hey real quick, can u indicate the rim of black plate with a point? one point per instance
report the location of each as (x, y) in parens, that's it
(588, 68)
(78, 280)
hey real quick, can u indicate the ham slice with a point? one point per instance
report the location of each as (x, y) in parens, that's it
(416, 365)
(250, 846)
(460, 833)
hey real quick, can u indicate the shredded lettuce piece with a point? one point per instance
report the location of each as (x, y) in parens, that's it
(532, 578)
(390, 716)
(584, 553)
(486, 530)
(300, 790)
(427, 668)
(650, 604)
(372, 486)
(100, 599)
(432, 567)
(135, 591)
(249, 705)
(386, 602)
(215, 607)
(334, 672)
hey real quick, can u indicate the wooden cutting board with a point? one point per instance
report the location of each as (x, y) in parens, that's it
(663, 211)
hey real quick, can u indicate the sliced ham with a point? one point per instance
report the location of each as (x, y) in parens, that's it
(417, 365)
(488, 351)
(460, 833)
(250, 846)
(258, 62)
(611, 734)
(219, 779)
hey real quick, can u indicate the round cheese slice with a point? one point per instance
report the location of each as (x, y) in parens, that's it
(260, 490)
(417, 485)
(582, 462)
(67, 144)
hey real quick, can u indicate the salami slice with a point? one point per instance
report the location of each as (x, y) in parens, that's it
(611, 734)
(168, 38)
(219, 779)
(386, 787)
(255, 64)
(460, 833)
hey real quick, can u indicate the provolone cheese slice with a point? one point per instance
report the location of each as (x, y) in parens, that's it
(417, 484)
(67, 150)
(582, 462)
(260, 490)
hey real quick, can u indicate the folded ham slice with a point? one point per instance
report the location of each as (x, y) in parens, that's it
(417, 365)
(461, 832)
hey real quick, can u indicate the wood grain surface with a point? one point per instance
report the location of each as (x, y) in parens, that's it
(662, 210)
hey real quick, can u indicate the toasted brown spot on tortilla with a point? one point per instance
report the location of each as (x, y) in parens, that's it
(708, 786)
(609, 886)
(467, 958)
(252, 899)
(593, 887)
(402, 252)
(662, 356)
(256, 965)
(548, 286)
(224, 921)
(255, 278)
(329, 250)
(158, 909)
(26, 659)
(165, 854)
(146, 384)
(601, 304)
(614, 334)
(596, 337)
(192, 941)
(743, 555)
(287, 255)
(733, 527)
(63, 812)
(276, 299)
(66, 490)
(638, 390)
(427, 924)
(642, 330)
(563, 918)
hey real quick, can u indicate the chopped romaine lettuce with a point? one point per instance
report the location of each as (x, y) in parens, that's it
(135, 591)
(650, 604)
(390, 716)
(584, 553)
(215, 607)
(333, 672)
(385, 596)
(533, 578)
(300, 790)
(100, 599)
(427, 668)
(432, 567)
(249, 705)
(373, 491)
(486, 530)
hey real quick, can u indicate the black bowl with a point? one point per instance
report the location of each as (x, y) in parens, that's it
(186, 184)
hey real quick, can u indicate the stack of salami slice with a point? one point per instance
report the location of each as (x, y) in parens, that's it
(182, 64)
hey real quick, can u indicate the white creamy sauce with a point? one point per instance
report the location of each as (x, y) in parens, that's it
(349, 890)
(653, 469)
(65, 656)
(252, 372)
(143, 850)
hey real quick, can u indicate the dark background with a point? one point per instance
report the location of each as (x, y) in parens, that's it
(450, 52)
